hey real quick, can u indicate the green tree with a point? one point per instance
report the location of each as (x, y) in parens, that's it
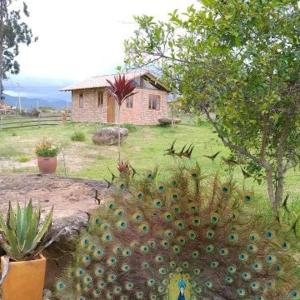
(13, 32)
(238, 60)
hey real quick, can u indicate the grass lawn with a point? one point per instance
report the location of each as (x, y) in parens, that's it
(143, 148)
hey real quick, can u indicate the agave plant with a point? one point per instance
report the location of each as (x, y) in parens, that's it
(121, 89)
(24, 236)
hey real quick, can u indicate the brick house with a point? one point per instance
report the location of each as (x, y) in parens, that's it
(92, 103)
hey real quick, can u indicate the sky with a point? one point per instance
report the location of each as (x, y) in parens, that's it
(79, 39)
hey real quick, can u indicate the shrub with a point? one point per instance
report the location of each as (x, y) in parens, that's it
(130, 127)
(23, 159)
(46, 149)
(165, 122)
(78, 136)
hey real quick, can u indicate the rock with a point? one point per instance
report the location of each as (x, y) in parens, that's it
(168, 121)
(109, 136)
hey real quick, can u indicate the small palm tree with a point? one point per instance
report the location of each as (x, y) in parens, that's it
(121, 89)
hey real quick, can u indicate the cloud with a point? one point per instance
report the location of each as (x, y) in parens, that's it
(78, 39)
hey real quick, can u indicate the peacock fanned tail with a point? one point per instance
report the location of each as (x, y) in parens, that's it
(185, 224)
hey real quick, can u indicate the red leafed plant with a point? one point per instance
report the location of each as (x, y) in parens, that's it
(121, 89)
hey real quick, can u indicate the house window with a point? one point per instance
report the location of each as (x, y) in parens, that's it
(100, 98)
(129, 102)
(80, 100)
(154, 102)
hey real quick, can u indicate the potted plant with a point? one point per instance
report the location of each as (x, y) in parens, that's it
(24, 238)
(47, 153)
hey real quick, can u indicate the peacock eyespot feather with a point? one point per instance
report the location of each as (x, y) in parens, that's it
(198, 290)
(233, 237)
(104, 226)
(152, 244)
(269, 234)
(159, 258)
(153, 297)
(122, 224)
(185, 264)
(111, 261)
(225, 189)
(228, 280)
(101, 284)
(270, 259)
(157, 203)
(176, 249)
(247, 198)
(210, 249)
(251, 248)
(232, 269)
(193, 284)
(173, 264)
(129, 286)
(246, 276)
(98, 221)
(165, 281)
(144, 228)
(96, 292)
(214, 218)
(197, 271)
(122, 186)
(87, 279)
(60, 285)
(161, 188)
(162, 271)
(259, 298)
(85, 242)
(243, 256)
(99, 270)
(195, 254)
(210, 234)
(255, 285)
(175, 197)
(79, 272)
(119, 212)
(124, 297)
(117, 290)
(86, 260)
(144, 249)
(196, 221)
(253, 237)
(117, 249)
(137, 217)
(179, 270)
(151, 282)
(176, 209)
(285, 246)
(165, 244)
(224, 252)
(92, 248)
(111, 277)
(125, 268)
(169, 234)
(168, 217)
(107, 237)
(140, 196)
(111, 205)
(270, 284)
(294, 294)
(192, 235)
(278, 268)
(209, 284)
(181, 240)
(241, 292)
(257, 266)
(145, 265)
(214, 264)
(174, 183)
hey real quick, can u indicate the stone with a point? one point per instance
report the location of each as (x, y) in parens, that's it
(109, 136)
(168, 121)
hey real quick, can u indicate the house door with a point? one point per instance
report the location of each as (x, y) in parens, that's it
(110, 109)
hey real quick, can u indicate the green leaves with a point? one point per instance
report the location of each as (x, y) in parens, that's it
(23, 234)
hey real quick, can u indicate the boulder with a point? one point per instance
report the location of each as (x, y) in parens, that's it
(109, 136)
(165, 121)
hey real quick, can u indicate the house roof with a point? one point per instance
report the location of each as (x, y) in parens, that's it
(101, 81)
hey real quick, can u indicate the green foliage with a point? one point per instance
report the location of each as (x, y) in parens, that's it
(13, 32)
(130, 127)
(78, 136)
(239, 60)
(186, 223)
(46, 149)
(23, 234)
(23, 159)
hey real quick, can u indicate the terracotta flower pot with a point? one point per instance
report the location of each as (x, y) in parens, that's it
(25, 280)
(47, 165)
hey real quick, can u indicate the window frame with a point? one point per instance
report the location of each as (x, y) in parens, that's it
(154, 102)
(129, 102)
(81, 105)
(100, 98)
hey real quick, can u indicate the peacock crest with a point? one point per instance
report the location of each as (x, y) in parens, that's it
(180, 237)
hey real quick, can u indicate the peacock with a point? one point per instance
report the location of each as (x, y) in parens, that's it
(181, 235)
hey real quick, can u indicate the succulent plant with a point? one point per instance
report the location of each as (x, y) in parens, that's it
(23, 234)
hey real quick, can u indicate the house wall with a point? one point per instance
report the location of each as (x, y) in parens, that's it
(140, 114)
(90, 112)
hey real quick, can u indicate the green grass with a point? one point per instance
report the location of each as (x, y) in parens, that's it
(143, 149)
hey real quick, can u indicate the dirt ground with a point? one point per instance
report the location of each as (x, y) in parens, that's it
(72, 200)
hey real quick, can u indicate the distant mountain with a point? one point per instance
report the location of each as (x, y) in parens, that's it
(35, 92)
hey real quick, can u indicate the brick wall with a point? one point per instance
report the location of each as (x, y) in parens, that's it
(139, 114)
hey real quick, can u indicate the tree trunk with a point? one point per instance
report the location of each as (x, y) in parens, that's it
(270, 186)
(119, 133)
(3, 9)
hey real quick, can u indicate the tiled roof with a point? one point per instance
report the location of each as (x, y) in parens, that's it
(101, 81)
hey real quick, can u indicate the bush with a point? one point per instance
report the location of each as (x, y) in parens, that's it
(130, 127)
(23, 159)
(78, 136)
(165, 122)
